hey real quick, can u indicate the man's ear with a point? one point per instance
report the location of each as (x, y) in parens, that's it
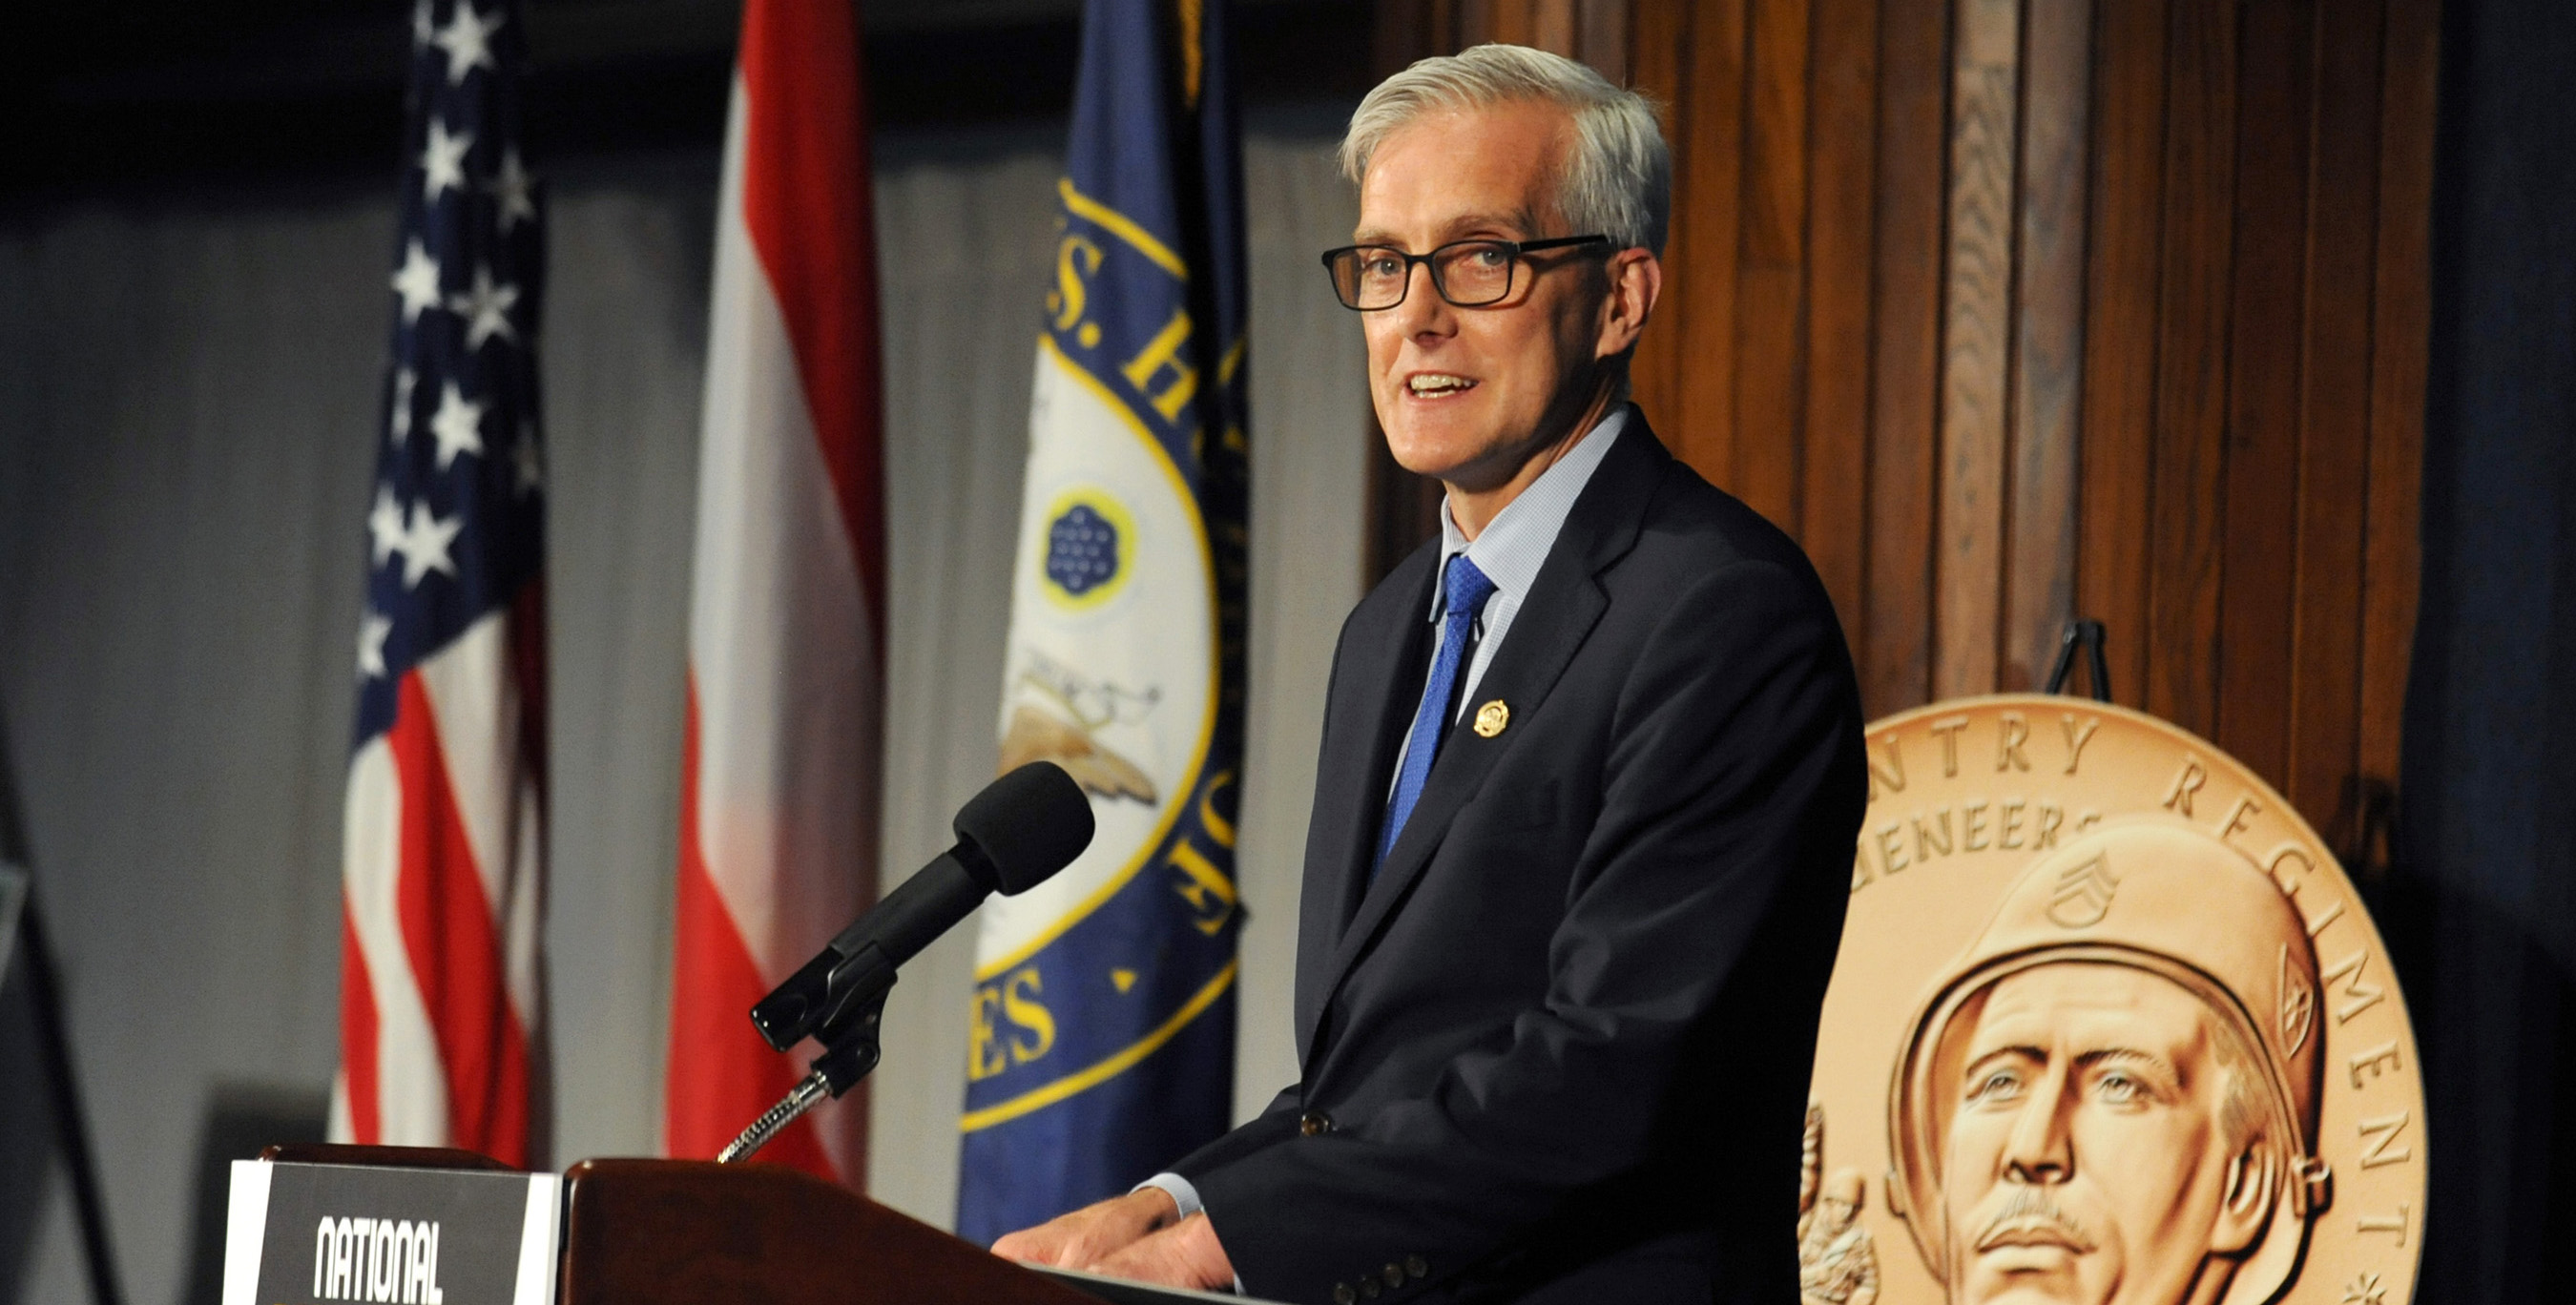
(2245, 1203)
(1636, 279)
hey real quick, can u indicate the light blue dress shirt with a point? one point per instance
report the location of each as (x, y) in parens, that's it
(1510, 550)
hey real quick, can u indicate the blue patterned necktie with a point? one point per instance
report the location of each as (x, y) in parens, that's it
(1464, 589)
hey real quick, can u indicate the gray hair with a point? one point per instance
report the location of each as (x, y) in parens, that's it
(1617, 177)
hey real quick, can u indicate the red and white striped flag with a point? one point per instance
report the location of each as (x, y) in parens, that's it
(778, 826)
(442, 865)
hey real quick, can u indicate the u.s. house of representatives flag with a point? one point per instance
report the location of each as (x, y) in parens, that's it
(1102, 1042)
(443, 858)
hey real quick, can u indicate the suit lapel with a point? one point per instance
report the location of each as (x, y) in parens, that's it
(1563, 605)
(1384, 653)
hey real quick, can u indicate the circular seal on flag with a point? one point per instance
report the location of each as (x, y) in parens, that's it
(1090, 540)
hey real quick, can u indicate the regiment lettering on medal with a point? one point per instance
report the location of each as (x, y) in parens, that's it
(2380, 1138)
(2359, 996)
(2041, 878)
(2186, 783)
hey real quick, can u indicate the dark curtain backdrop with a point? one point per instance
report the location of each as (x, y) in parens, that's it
(2484, 906)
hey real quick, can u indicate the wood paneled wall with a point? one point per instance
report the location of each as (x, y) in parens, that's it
(2020, 310)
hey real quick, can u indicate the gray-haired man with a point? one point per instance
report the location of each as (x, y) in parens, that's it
(1589, 782)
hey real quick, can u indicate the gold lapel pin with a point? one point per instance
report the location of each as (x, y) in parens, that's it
(1491, 718)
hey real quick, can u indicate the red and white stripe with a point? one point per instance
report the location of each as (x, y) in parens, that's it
(778, 825)
(442, 876)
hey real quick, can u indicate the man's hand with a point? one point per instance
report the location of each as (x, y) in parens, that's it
(1093, 1233)
(1185, 1254)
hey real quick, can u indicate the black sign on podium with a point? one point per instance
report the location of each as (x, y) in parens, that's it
(299, 1233)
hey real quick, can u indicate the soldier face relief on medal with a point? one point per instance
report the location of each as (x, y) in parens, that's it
(2151, 1058)
(2127, 1070)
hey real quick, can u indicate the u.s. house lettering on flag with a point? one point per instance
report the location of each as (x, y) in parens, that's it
(1102, 1037)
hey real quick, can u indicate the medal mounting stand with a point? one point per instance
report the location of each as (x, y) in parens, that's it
(2086, 633)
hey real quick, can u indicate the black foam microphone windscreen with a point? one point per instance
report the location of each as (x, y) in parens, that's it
(1028, 824)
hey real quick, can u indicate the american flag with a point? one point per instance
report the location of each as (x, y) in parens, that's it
(443, 864)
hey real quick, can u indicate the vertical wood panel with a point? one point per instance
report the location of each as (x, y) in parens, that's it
(1775, 137)
(1976, 326)
(1709, 200)
(1479, 21)
(1662, 69)
(2334, 434)
(2260, 507)
(1770, 328)
(1514, 22)
(2403, 299)
(1551, 26)
(1914, 72)
(1834, 493)
(2048, 340)
(2191, 364)
(1601, 38)
(1770, 383)
(2124, 267)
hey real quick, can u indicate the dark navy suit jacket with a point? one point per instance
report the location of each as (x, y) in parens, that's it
(1558, 1047)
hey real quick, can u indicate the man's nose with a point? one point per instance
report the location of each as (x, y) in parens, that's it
(2040, 1149)
(1424, 311)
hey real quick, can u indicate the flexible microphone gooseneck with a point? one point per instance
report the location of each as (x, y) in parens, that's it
(1011, 837)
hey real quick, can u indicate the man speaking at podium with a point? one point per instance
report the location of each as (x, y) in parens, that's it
(1590, 779)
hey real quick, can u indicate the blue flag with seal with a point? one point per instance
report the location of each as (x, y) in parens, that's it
(1102, 1041)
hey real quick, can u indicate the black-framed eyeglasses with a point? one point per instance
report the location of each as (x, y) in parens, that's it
(1467, 273)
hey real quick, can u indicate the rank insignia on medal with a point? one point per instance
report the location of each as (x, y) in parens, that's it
(1491, 718)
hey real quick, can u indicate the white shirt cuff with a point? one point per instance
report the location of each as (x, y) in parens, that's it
(1182, 1193)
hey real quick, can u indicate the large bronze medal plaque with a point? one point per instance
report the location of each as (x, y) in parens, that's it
(2108, 1024)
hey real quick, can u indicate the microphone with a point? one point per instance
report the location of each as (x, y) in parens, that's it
(1011, 837)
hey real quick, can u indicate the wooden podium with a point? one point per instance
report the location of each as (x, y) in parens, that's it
(650, 1232)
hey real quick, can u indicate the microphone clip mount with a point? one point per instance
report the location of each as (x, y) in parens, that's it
(850, 1053)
